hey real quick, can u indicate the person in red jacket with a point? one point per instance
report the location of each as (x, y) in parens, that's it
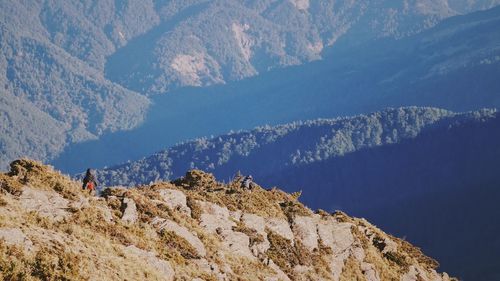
(89, 181)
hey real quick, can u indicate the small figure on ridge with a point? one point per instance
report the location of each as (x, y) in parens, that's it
(247, 182)
(89, 181)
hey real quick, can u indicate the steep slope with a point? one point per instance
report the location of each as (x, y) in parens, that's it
(453, 65)
(194, 228)
(439, 190)
(86, 63)
(229, 40)
(436, 184)
(49, 87)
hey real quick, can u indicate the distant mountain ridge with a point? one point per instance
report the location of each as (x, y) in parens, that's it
(454, 65)
(270, 150)
(82, 68)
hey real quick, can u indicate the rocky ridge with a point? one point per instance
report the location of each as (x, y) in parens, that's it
(194, 228)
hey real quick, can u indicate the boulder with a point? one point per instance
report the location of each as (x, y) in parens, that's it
(46, 203)
(337, 236)
(79, 204)
(214, 217)
(280, 227)
(236, 243)
(254, 222)
(175, 200)
(258, 224)
(169, 225)
(160, 265)
(15, 236)
(129, 210)
(305, 230)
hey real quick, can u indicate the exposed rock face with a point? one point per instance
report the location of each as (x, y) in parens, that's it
(305, 229)
(130, 211)
(175, 200)
(15, 236)
(165, 224)
(215, 217)
(161, 265)
(46, 203)
(280, 227)
(232, 234)
(258, 224)
(236, 243)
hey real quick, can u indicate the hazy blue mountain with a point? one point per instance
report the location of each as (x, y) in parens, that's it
(426, 174)
(88, 67)
(454, 65)
(271, 150)
(201, 42)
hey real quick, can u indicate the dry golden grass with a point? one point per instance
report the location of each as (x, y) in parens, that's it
(35, 174)
(173, 245)
(85, 246)
(287, 255)
(10, 185)
(245, 269)
(252, 234)
(352, 271)
(265, 203)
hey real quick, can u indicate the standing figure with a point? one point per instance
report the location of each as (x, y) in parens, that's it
(247, 182)
(89, 181)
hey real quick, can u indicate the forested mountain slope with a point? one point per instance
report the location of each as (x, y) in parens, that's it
(86, 66)
(453, 65)
(439, 190)
(270, 150)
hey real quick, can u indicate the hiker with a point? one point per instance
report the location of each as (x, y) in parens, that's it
(247, 182)
(89, 181)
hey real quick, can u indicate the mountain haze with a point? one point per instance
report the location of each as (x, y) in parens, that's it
(294, 144)
(453, 65)
(89, 67)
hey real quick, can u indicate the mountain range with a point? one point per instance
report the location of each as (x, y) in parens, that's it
(73, 71)
(95, 83)
(453, 65)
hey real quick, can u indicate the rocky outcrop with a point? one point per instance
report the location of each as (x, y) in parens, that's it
(305, 230)
(214, 217)
(129, 211)
(161, 265)
(175, 200)
(192, 232)
(46, 203)
(168, 225)
(15, 236)
(280, 227)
